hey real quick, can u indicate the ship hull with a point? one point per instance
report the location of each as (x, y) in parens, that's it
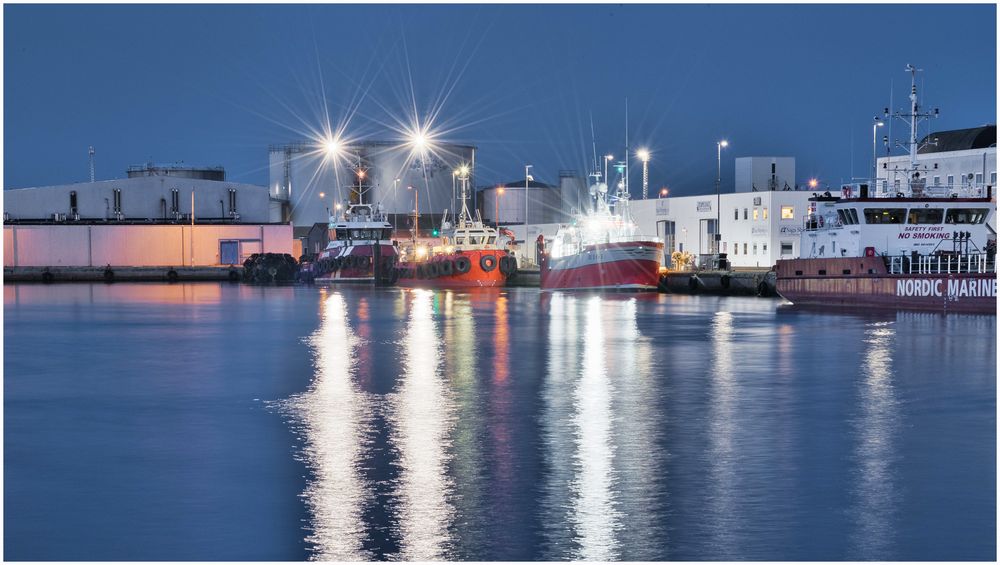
(605, 266)
(865, 282)
(353, 264)
(422, 274)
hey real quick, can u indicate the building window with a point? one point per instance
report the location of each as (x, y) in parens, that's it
(724, 245)
(937, 181)
(951, 180)
(746, 216)
(755, 249)
(736, 248)
(756, 214)
(764, 250)
(787, 213)
(745, 246)
(786, 248)
(765, 213)
(885, 215)
(72, 202)
(736, 214)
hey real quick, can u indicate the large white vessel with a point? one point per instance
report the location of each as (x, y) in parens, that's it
(919, 246)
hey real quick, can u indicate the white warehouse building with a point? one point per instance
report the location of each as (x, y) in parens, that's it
(759, 225)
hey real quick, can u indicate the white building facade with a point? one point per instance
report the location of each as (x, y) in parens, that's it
(947, 162)
(758, 228)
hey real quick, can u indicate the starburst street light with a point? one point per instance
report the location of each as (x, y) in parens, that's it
(332, 147)
(643, 155)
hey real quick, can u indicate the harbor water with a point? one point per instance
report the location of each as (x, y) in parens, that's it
(211, 421)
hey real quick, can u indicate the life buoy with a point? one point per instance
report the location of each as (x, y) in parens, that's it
(462, 265)
(487, 263)
(172, 275)
(447, 268)
(724, 280)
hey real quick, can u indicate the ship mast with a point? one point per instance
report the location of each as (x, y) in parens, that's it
(913, 119)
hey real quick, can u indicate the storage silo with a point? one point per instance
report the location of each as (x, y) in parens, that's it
(309, 183)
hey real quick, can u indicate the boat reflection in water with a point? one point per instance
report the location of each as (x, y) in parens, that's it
(334, 420)
(874, 493)
(594, 439)
(421, 417)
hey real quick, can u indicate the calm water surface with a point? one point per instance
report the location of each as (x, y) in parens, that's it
(228, 422)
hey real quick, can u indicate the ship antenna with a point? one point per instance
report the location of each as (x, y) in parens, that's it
(91, 163)
(627, 156)
(593, 142)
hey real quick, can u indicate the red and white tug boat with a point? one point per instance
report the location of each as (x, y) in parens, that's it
(469, 255)
(359, 238)
(919, 247)
(601, 250)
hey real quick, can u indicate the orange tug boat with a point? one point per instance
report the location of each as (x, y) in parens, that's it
(470, 255)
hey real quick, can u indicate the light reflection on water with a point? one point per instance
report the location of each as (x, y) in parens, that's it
(421, 414)
(334, 419)
(874, 492)
(491, 425)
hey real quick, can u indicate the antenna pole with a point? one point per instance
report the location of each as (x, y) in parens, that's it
(91, 163)
(627, 156)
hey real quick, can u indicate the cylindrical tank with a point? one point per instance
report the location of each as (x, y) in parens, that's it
(313, 182)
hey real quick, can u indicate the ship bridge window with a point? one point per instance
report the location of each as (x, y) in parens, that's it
(925, 216)
(853, 214)
(966, 216)
(844, 218)
(341, 234)
(885, 215)
(787, 213)
(491, 240)
(460, 240)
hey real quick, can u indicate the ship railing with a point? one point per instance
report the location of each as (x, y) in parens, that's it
(818, 223)
(943, 263)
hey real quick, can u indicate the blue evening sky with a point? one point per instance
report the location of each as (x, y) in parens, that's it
(218, 84)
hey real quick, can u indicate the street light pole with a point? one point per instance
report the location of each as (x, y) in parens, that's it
(526, 175)
(644, 157)
(496, 206)
(718, 195)
(878, 123)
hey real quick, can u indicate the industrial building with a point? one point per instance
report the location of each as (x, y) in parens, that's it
(159, 215)
(505, 202)
(308, 181)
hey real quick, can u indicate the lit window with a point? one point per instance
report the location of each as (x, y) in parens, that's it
(765, 213)
(756, 214)
(787, 212)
